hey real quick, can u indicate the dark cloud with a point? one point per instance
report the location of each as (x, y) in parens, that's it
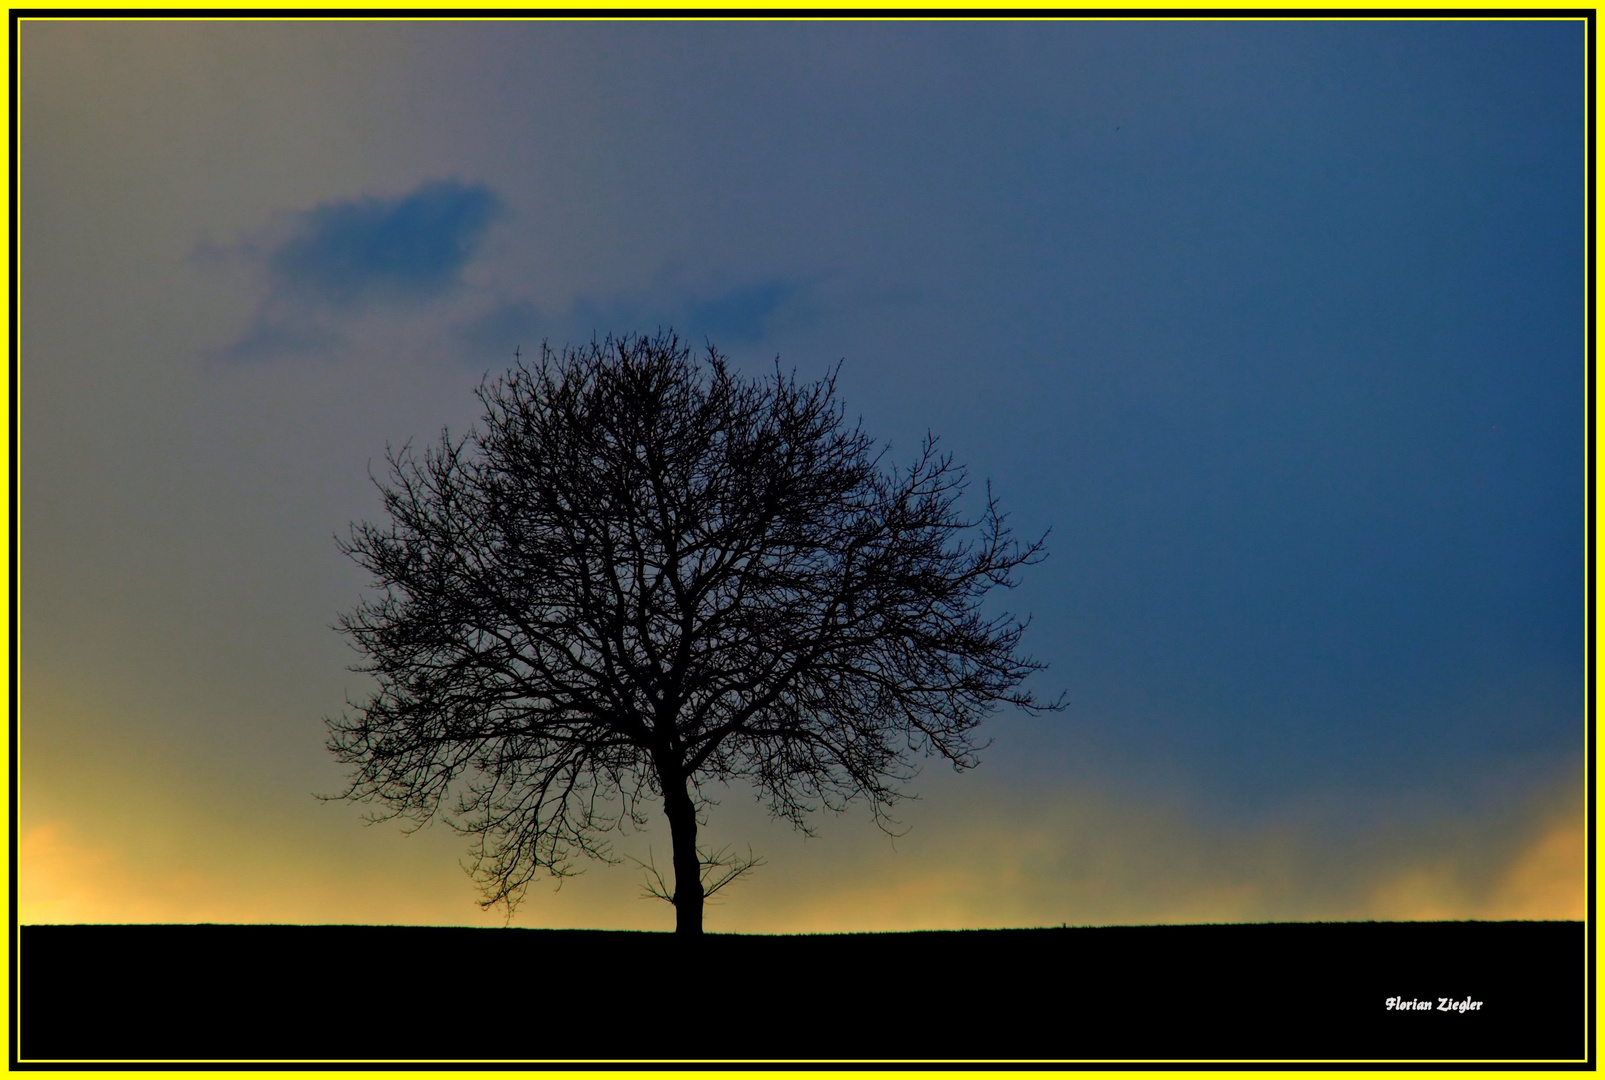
(743, 315)
(399, 248)
(269, 339)
(494, 335)
(341, 256)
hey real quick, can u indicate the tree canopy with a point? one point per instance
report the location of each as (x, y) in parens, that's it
(641, 575)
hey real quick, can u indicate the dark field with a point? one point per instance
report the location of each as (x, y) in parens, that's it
(1281, 991)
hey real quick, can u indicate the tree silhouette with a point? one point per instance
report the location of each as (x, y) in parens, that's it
(643, 575)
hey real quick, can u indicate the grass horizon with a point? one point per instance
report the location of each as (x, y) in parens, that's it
(836, 933)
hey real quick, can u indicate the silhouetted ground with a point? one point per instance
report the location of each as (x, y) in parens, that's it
(1283, 991)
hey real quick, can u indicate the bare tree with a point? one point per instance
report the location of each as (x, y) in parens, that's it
(643, 575)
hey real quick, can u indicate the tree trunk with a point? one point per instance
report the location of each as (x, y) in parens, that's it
(682, 814)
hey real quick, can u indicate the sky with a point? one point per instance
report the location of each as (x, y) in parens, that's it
(1277, 326)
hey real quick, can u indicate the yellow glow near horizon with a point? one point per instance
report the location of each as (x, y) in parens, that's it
(989, 874)
(1548, 880)
(113, 833)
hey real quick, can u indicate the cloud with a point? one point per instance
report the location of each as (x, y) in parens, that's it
(493, 336)
(67, 877)
(1545, 879)
(992, 858)
(320, 269)
(273, 336)
(111, 831)
(743, 315)
(1082, 858)
(746, 315)
(404, 248)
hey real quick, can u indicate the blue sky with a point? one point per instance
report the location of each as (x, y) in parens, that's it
(1278, 326)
